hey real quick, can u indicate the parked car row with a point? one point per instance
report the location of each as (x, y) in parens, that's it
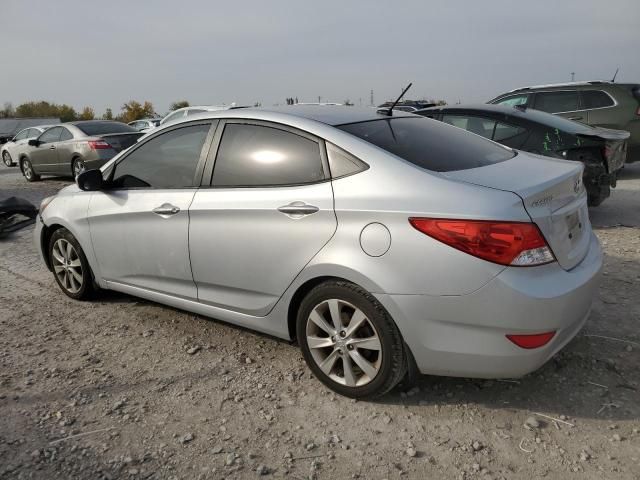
(602, 151)
(68, 148)
(383, 241)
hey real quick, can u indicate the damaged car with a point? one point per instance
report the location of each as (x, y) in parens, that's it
(603, 151)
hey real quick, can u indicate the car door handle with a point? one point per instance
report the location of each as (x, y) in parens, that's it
(298, 209)
(575, 118)
(52, 147)
(166, 209)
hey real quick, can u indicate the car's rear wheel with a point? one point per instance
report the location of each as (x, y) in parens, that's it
(77, 167)
(28, 171)
(6, 158)
(349, 340)
(70, 266)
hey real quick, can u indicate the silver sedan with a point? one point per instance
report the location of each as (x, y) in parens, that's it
(380, 243)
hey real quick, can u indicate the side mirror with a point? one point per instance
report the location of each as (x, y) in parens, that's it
(34, 142)
(90, 180)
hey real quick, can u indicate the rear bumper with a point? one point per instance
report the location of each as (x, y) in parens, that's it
(465, 335)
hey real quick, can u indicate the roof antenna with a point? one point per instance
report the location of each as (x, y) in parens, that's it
(390, 111)
(615, 75)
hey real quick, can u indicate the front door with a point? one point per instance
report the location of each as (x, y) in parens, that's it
(140, 225)
(44, 157)
(269, 210)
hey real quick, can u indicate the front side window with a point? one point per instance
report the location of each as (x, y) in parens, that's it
(557, 102)
(596, 99)
(478, 125)
(51, 135)
(514, 100)
(169, 160)
(430, 144)
(254, 155)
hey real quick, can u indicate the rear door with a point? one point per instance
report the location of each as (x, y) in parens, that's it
(44, 157)
(266, 213)
(140, 226)
(600, 108)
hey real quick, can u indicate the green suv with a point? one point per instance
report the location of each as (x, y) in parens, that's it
(602, 104)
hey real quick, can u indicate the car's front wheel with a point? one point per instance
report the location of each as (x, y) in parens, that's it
(28, 171)
(349, 340)
(77, 167)
(6, 158)
(70, 266)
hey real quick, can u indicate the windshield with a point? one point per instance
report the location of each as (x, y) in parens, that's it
(105, 128)
(430, 144)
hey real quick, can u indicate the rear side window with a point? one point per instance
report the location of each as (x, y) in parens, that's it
(254, 155)
(65, 135)
(430, 144)
(342, 163)
(596, 99)
(504, 131)
(478, 125)
(169, 160)
(557, 102)
(104, 128)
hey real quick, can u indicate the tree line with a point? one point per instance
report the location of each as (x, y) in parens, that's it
(130, 111)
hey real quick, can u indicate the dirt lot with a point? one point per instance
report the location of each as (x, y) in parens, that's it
(116, 389)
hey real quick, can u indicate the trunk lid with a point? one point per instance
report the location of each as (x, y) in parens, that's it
(121, 141)
(553, 195)
(615, 145)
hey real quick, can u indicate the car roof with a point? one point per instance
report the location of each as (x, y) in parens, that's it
(331, 114)
(560, 85)
(84, 122)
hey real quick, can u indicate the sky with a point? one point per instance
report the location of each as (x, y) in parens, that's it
(102, 54)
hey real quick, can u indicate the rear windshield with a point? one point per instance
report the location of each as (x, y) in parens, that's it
(105, 128)
(430, 144)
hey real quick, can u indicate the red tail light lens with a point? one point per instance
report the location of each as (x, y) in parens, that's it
(532, 341)
(506, 243)
(98, 145)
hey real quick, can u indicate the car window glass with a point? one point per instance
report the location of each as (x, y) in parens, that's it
(513, 100)
(252, 155)
(51, 135)
(342, 163)
(504, 131)
(65, 135)
(174, 116)
(166, 161)
(430, 144)
(22, 135)
(596, 99)
(94, 127)
(478, 125)
(556, 102)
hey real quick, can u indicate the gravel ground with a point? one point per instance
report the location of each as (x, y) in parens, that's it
(124, 388)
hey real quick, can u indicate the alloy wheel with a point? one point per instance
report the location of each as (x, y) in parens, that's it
(67, 266)
(78, 167)
(344, 343)
(27, 169)
(6, 158)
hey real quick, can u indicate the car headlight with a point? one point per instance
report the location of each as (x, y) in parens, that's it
(45, 203)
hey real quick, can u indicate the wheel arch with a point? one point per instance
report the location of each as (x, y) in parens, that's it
(45, 237)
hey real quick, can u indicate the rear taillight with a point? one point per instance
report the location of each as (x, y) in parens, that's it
(98, 145)
(536, 340)
(506, 243)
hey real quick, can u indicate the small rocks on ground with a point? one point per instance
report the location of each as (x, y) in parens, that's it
(193, 350)
(531, 423)
(477, 446)
(186, 438)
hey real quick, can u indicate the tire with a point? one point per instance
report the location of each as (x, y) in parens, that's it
(6, 158)
(366, 332)
(28, 171)
(77, 166)
(70, 266)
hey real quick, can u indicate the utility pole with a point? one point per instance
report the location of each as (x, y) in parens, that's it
(372, 98)
(319, 97)
(573, 76)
